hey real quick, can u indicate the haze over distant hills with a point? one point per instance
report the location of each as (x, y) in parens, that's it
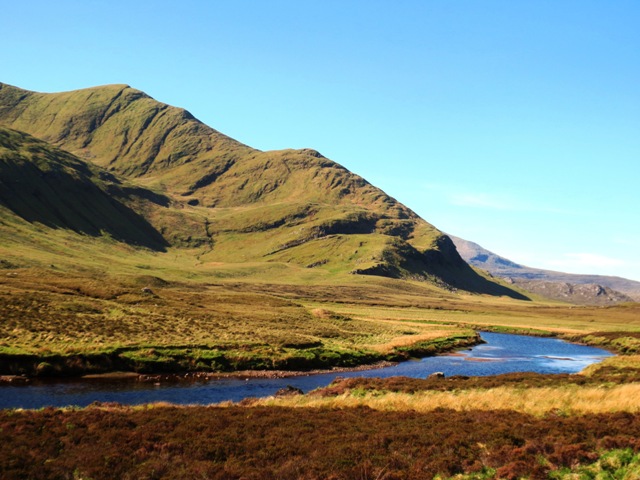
(112, 160)
(577, 288)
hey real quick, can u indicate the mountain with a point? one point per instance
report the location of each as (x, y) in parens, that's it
(575, 288)
(197, 188)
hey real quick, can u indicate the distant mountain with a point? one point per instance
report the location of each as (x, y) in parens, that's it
(231, 202)
(575, 288)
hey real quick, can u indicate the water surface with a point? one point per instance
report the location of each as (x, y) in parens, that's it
(503, 353)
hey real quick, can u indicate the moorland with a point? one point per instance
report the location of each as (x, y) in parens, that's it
(135, 238)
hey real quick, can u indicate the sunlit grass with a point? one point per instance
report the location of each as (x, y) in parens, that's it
(72, 294)
(569, 400)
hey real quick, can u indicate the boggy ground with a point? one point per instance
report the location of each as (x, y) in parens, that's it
(58, 322)
(234, 442)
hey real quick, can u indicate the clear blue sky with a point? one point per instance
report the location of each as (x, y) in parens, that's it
(514, 124)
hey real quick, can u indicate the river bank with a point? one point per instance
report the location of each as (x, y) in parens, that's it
(506, 353)
(162, 364)
(190, 376)
(178, 365)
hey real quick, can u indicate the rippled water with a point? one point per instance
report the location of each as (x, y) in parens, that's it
(502, 353)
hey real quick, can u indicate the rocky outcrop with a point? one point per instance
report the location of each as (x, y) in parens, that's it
(580, 294)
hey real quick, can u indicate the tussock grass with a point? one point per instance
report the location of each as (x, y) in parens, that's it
(91, 321)
(533, 401)
(619, 363)
(491, 313)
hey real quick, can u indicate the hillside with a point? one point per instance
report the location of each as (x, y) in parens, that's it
(237, 204)
(40, 183)
(576, 288)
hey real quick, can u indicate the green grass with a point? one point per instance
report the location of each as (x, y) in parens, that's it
(620, 464)
(221, 317)
(174, 323)
(74, 294)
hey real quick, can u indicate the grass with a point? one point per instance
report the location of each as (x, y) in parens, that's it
(500, 313)
(562, 400)
(76, 295)
(49, 315)
(200, 189)
(619, 463)
(610, 386)
(81, 304)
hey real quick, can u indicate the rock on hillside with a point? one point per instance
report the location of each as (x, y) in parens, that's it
(580, 294)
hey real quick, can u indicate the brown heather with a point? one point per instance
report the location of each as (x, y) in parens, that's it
(283, 443)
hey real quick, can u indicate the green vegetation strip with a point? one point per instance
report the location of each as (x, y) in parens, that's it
(228, 358)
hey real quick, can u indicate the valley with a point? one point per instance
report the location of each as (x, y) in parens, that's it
(136, 239)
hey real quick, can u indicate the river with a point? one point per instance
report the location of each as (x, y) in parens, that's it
(502, 353)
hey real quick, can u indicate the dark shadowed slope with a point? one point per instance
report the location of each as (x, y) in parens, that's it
(293, 206)
(43, 184)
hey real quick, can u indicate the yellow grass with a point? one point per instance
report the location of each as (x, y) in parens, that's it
(408, 340)
(536, 401)
(480, 311)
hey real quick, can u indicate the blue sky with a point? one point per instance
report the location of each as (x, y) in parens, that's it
(514, 124)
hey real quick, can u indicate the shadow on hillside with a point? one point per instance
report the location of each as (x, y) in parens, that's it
(447, 264)
(59, 199)
(442, 264)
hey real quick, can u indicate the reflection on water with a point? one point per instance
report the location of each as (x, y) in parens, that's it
(502, 353)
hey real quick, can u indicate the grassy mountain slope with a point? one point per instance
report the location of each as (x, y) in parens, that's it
(121, 129)
(591, 289)
(242, 205)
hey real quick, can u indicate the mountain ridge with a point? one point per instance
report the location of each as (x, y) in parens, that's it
(292, 206)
